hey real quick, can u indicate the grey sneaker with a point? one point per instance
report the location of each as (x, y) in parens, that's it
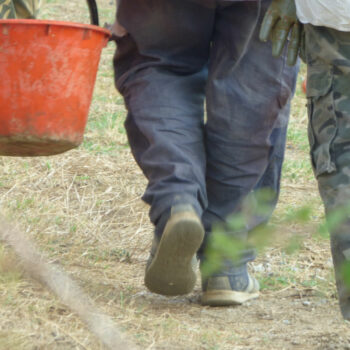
(229, 288)
(170, 269)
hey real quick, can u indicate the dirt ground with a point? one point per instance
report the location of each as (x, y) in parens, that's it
(83, 210)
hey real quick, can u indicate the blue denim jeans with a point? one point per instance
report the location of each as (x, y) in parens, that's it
(179, 61)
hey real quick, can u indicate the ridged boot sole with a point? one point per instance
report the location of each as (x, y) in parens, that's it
(171, 271)
(227, 298)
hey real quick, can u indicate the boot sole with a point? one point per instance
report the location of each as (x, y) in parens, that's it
(226, 298)
(171, 271)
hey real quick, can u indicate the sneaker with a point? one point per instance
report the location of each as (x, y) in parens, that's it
(171, 268)
(229, 288)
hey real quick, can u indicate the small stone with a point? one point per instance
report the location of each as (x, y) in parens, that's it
(259, 268)
(287, 322)
(306, 303)
(329, 263)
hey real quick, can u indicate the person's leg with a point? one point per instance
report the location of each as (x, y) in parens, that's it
(267, 190)
(245, 105)
(328, 90)
(10, 9)
(27, 8)
(7, 9)
(161, 71)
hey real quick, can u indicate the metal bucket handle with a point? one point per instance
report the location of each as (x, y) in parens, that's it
(93, 12)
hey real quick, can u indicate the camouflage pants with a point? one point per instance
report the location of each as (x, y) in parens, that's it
(19, 8)
(327, 55)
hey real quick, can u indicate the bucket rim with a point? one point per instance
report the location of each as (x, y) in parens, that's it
(56, 23)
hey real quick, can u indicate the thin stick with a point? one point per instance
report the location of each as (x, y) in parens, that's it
(64, 287)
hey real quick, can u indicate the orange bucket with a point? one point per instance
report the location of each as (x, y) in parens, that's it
(47, 74)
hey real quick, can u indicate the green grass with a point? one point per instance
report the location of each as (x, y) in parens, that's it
(298, 138)
(296, 169)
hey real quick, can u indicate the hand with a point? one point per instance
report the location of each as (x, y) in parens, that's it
(116, 29)
(281, 19)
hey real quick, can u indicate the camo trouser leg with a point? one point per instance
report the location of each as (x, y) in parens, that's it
(10, 9)
(7, 9)
(327, 55)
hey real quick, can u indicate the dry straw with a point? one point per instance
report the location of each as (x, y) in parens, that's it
(64, 287)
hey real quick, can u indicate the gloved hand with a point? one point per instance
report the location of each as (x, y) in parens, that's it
(281, 19)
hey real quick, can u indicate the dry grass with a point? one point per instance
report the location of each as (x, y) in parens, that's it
(83, 210)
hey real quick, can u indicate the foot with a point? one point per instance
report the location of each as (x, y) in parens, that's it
(171, 267)
(233, 287)
(341, 260)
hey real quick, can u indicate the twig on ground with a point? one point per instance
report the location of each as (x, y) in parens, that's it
(64, 287)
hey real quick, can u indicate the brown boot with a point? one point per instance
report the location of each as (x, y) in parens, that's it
(171, 266)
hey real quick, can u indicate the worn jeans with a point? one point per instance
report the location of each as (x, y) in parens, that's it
(179, 58)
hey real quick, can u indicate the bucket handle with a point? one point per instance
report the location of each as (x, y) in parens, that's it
(93, 12)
